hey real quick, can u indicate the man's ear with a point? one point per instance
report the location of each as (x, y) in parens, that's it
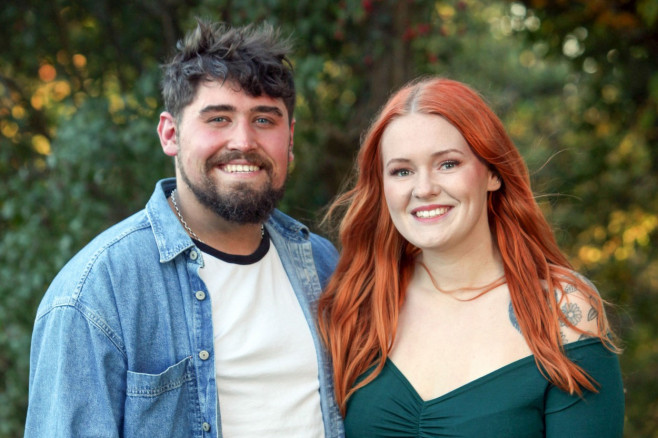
(291, 155)
(167, 131)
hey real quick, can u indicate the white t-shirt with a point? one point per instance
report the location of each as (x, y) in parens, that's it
(265, 359)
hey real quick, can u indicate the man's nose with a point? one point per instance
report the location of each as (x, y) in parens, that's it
(242, 136)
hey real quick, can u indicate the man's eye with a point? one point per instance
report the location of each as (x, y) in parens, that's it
(263, 121)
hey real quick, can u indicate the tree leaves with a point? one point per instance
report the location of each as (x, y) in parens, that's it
(79, 103)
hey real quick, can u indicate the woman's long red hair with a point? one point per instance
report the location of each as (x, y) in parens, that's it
(358, 312)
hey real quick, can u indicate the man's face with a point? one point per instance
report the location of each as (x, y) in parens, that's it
(232, 151)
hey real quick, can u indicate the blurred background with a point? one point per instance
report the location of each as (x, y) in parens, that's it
(576, 83)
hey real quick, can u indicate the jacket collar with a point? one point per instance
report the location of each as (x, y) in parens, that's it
(172, 239)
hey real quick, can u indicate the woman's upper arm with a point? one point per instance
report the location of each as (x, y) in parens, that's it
(595, 415)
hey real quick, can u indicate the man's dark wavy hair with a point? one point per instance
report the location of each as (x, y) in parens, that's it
(254, 58)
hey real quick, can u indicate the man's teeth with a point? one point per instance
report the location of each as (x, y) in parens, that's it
(234, 168)
(431, 213)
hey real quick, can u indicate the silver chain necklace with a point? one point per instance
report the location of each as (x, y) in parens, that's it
(187, 227)
(182, 221)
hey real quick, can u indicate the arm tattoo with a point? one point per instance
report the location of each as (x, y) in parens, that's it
(572, 312)
(512, 318)
(569, 289)
(593, 313)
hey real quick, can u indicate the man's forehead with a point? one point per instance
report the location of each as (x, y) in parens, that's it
(231, 88)
(229, 93)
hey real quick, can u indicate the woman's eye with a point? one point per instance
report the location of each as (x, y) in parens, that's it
(400, 172)
(447, 165)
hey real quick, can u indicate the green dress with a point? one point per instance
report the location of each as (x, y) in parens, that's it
(513, 401)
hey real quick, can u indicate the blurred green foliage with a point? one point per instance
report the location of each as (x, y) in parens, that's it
(576, 83)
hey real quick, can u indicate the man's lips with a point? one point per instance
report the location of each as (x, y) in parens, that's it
(238, 162)
(240, 168)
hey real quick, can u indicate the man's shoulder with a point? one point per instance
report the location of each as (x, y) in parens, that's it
(118, 247)
(294, 228)
(322, 244)
(131, 233)
(119, 231)
(324, 253)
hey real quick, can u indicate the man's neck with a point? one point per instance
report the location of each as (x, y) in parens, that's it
(207, 227)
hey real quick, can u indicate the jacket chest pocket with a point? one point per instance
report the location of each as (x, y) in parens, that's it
(162, 405)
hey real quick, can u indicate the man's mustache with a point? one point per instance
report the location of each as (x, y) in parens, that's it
(251, 157)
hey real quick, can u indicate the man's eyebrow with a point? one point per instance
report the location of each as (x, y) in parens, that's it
(267, 109)
(217, 108)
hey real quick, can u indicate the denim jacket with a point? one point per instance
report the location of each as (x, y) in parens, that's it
(123, 339)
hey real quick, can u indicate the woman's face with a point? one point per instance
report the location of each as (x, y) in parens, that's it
(435, 186)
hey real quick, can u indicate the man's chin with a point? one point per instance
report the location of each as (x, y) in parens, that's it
(244, 205)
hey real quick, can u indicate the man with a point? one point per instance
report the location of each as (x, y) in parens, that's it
(195, 317)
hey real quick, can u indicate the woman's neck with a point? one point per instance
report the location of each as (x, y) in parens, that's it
(472, 268)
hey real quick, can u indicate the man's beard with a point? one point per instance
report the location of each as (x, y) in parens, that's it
(241, 204)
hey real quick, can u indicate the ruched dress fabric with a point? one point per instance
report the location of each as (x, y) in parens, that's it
(512, 402)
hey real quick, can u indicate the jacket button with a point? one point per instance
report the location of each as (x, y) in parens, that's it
(200, 295)
(206, 427)
(204, 355)
(193, 255)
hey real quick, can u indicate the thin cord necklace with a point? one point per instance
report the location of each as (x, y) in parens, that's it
(187, 227)
(487, 287)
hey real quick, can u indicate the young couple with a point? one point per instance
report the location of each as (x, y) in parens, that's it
(450, 312)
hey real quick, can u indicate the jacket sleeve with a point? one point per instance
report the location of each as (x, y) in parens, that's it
(77, 376)
(595, 415)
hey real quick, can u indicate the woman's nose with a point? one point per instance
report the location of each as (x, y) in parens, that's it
(425, 187)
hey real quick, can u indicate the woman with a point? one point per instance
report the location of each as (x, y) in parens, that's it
(452, 311)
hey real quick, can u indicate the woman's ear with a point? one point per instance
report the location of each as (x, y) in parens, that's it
(495, 182)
